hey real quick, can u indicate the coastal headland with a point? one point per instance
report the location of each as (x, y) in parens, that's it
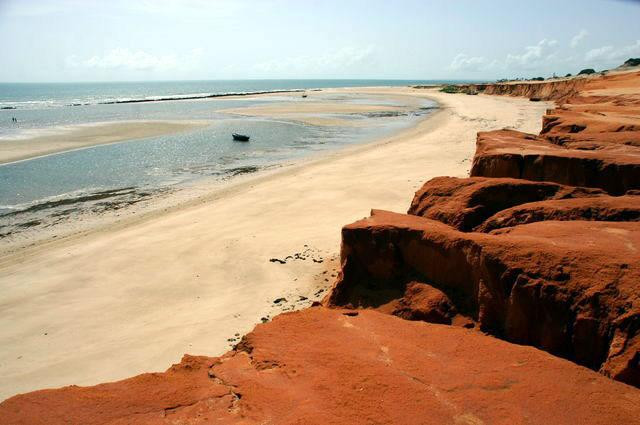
(506, 294)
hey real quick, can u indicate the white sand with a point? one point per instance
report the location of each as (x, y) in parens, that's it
(134, 297)
(83, 136)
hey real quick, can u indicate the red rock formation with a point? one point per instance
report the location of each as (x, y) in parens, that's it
(483, 204)
(566, 287)
(543, 90)
(621, 85)
(590, 131)
(591, 139)
(551, 261)
(507, 153)
(467, 203)
(423, 302)
(603, 208)
(322, 366)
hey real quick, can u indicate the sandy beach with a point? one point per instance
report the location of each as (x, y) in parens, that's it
(149, 289)
(84, 136)
(317, 110)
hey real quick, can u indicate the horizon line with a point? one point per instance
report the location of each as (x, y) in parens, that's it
(248, 79)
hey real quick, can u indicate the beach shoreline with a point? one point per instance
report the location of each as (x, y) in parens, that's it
(152, 271)
(66, 138)
(78, 212)
(203, 191)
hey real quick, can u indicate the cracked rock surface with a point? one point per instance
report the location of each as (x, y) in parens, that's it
(294, 370)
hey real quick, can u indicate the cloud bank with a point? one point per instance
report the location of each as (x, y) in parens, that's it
(611, 53)
(341, 60)
(137, 60)
(545, 57)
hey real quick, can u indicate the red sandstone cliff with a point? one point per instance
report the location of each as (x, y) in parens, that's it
(543, 90)
(568, 287)
(591, 139)
(568, 89)
(540, 246)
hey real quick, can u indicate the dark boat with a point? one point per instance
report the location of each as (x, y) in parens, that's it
(240, 137)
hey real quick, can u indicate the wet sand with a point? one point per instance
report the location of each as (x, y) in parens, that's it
(319, 111)
(86, 135)
(135, 295)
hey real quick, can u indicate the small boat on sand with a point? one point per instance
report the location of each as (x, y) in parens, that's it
(240, 137)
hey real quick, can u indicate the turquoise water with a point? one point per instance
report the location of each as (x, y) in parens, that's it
(101, 177)
(173, 159)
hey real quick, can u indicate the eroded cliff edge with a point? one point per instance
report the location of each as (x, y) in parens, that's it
(540, 248)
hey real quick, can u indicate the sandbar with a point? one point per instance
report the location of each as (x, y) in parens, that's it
(68, 138)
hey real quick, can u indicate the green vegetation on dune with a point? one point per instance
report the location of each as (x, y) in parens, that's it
(631, 62)
(450, 89)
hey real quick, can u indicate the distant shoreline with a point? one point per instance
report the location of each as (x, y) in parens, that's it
(15, 97)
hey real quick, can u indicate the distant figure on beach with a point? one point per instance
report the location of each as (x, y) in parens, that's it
(13, 119)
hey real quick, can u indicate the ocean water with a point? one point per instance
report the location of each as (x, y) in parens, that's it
(24, 96)
(52, 188)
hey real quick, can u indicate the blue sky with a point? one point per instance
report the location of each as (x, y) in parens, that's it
(84, 40)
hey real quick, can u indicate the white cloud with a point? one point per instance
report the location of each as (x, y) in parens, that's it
(463, 62)
(599, 53)
(541, 57)
(137, 60)
(610, 53)
(532, 55)
(341, 60)
(578, 38)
